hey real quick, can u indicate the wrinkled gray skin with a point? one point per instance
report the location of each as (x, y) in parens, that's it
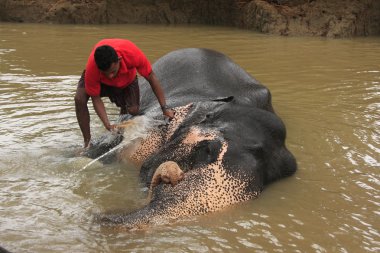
(225, 137)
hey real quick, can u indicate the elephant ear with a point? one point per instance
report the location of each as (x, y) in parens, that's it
(223, 99)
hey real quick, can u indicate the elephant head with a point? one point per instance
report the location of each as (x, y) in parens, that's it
(227, 151)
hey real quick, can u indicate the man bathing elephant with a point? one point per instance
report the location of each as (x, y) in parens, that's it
(224, 136)
(111, 72)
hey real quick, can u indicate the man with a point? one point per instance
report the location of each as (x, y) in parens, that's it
(111, 72)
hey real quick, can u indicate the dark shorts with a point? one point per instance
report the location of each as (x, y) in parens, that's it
(122, 97)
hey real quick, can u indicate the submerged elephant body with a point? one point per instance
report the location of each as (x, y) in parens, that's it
(225, 137)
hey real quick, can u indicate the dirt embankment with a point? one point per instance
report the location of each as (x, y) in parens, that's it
(330, 18)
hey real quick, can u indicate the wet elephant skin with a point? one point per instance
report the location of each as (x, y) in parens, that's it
(225, 137)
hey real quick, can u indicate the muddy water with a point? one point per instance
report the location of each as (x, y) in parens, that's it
(326, 91)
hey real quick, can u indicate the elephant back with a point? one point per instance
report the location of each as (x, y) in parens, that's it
(197, 74)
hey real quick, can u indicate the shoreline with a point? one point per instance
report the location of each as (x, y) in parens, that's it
(321, 18)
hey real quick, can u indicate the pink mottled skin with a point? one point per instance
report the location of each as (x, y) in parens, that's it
(212, 188)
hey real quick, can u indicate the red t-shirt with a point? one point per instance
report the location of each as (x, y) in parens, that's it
(132, 60)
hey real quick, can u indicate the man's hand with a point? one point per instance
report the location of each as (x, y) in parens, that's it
(168, 113)
(157, 90)
(111, 128)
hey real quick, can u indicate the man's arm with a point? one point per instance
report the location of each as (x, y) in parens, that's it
(157, 89)
(101, 111)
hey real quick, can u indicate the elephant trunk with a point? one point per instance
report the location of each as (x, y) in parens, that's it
(135, 220)
(157, 211)
(212, 190)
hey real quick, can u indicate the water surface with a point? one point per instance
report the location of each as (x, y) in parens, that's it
(326, 91)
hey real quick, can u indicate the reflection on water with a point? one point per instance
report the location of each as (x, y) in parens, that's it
(326, 91)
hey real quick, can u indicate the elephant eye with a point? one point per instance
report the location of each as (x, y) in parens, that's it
(205, 152)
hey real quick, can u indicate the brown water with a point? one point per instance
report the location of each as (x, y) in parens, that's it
(326, 91)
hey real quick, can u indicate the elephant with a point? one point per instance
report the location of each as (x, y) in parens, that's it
(225, 137)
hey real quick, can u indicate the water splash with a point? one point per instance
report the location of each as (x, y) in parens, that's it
(100, 157)
(133, 129)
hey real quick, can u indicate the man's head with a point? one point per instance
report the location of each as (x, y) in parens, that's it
(107, 60)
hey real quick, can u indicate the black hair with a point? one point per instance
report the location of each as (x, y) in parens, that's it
(104, 56)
